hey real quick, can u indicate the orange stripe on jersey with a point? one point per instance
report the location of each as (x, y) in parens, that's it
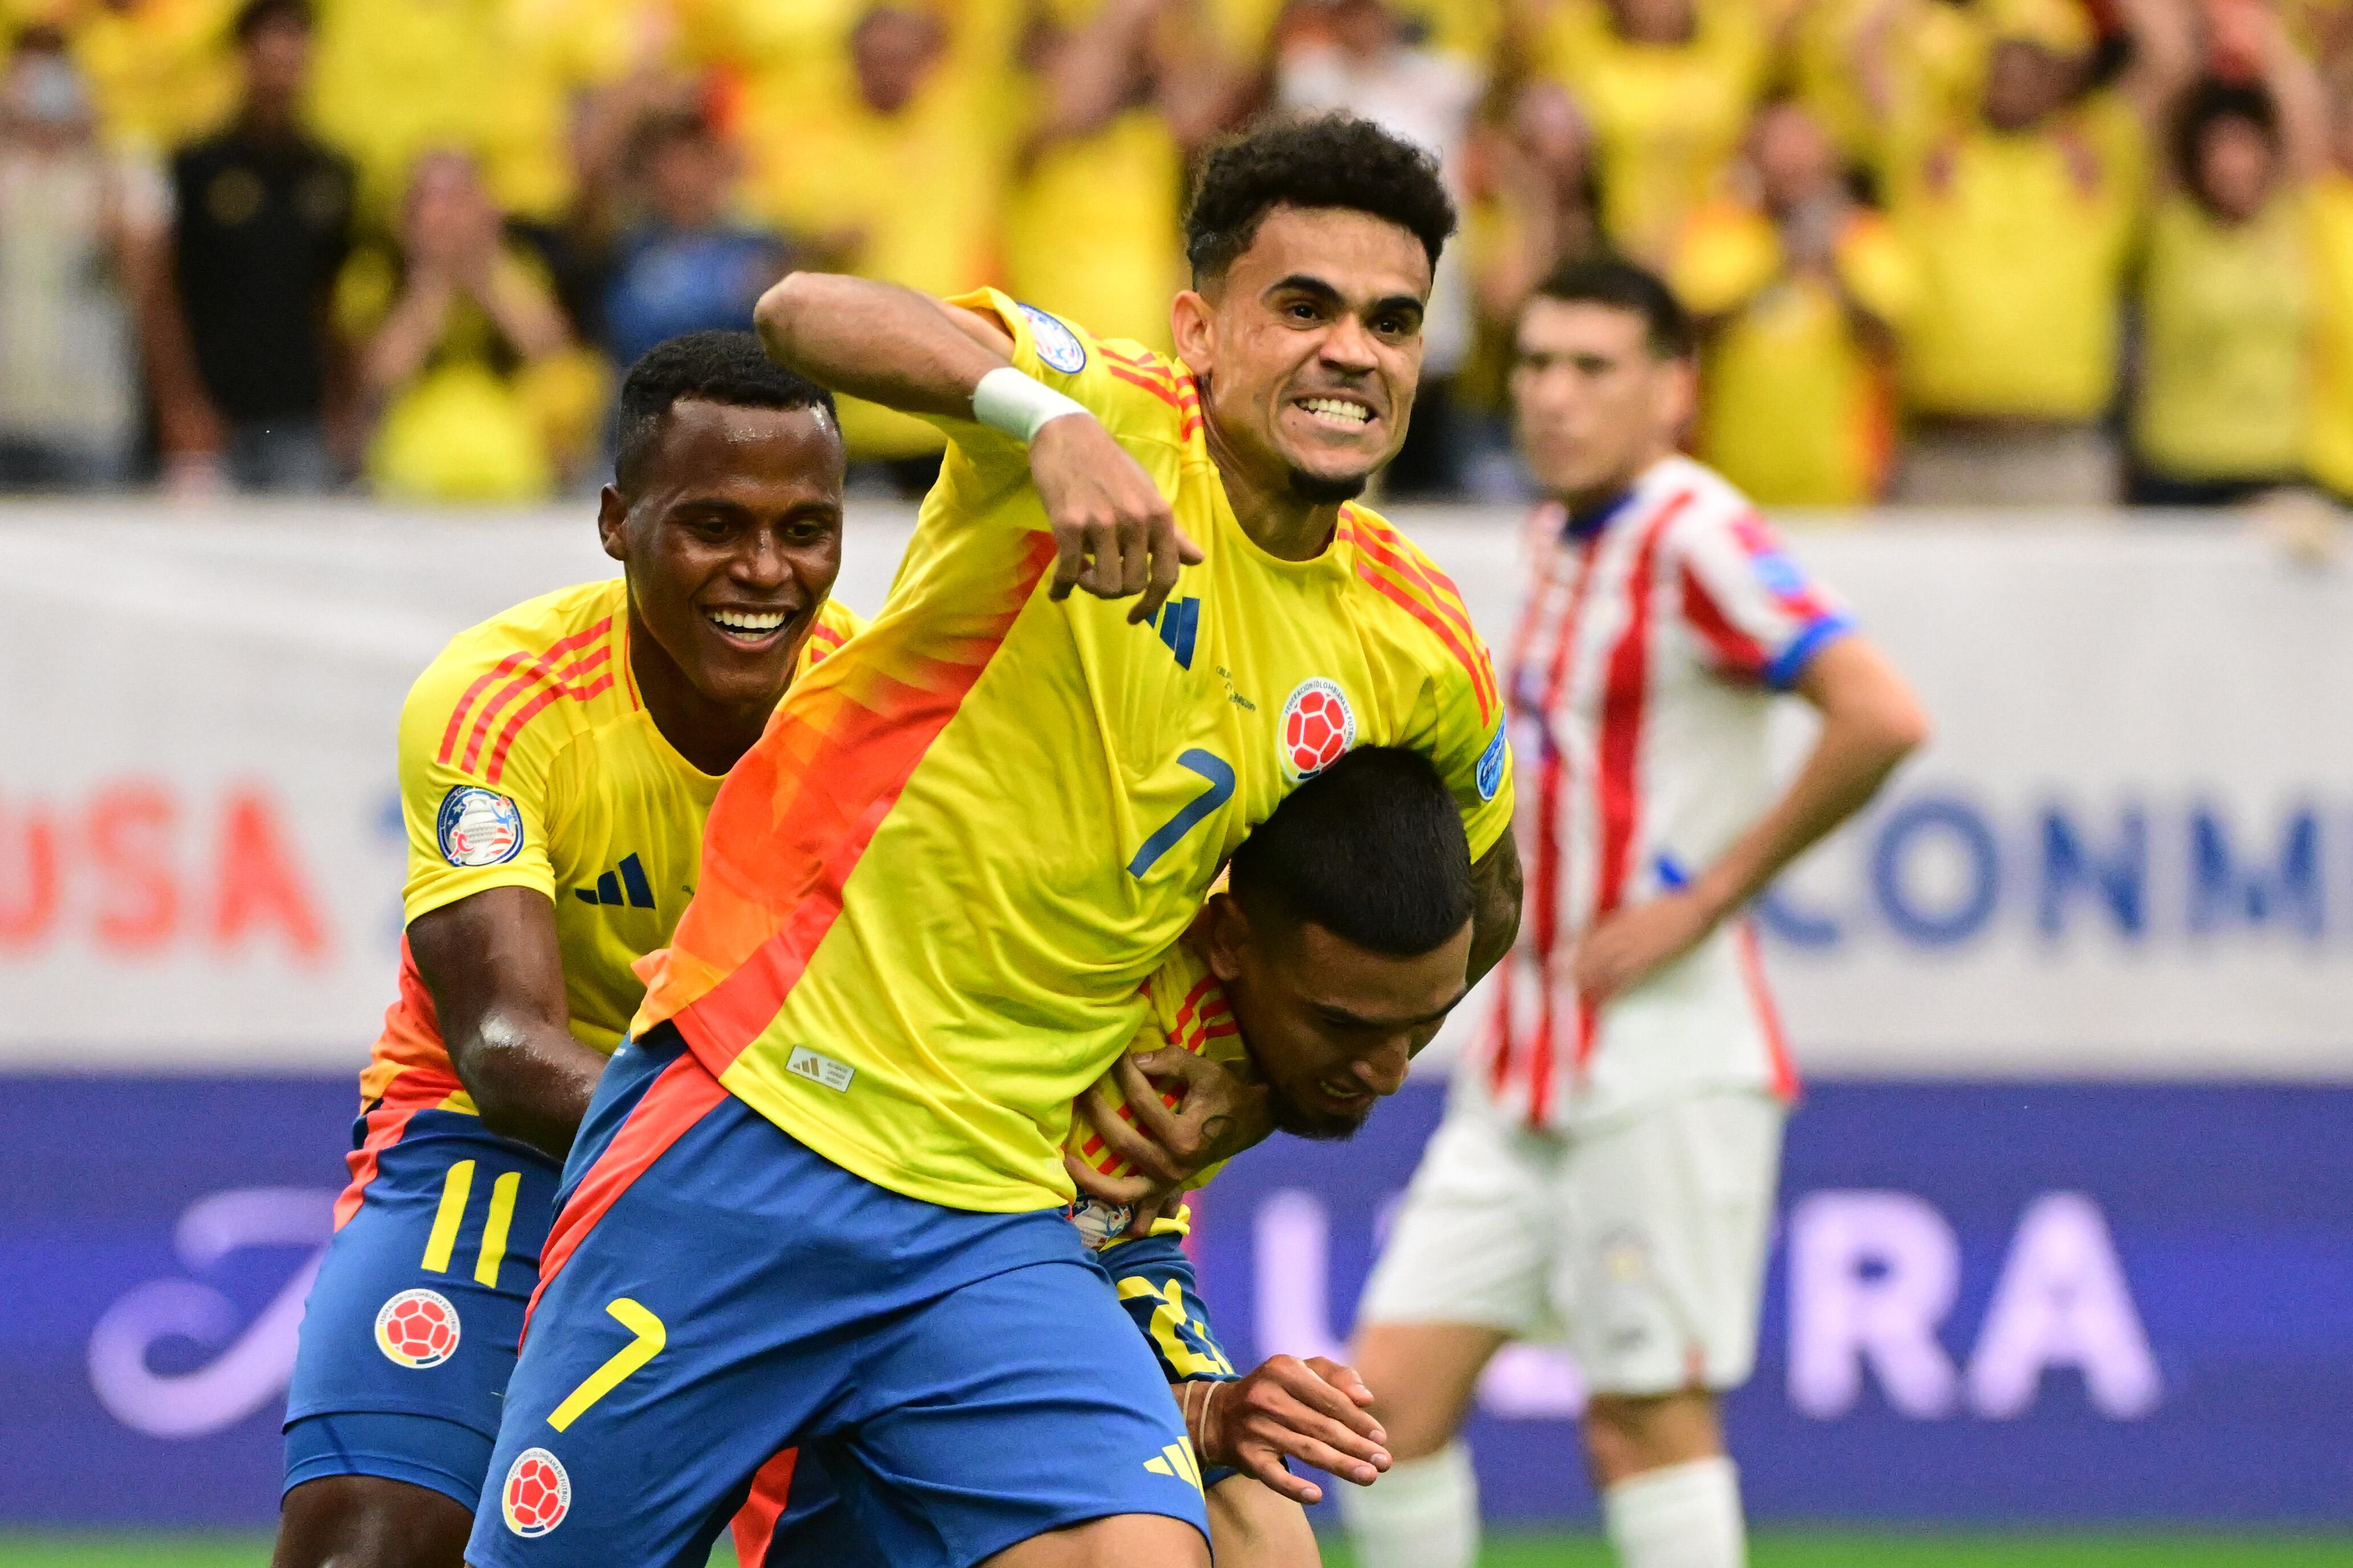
(539, 663)
(681, 1094)
(529, 710)
(1147, 362)
(1431, 598)
(415, 1089)
(796, 816)
(1160, 390)
(534, 674)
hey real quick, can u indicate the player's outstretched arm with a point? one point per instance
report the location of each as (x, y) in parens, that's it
(491, 963)
(1871, 721)
(1115, 533)
(1316, 1411)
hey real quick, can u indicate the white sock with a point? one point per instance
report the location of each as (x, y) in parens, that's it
(1422, 1513)
(1685, 1516)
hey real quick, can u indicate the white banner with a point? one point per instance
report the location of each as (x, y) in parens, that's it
(2130, 852)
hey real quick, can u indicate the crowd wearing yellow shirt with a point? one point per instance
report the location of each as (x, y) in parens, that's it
(1949, 251)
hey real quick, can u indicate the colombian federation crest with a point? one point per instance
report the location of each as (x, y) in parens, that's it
(1318, 727)
(536, 1494)
(417, 1329)
(478, 828)
(1057, 344)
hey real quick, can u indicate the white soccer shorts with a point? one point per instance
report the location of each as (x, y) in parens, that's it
(1641, 1246)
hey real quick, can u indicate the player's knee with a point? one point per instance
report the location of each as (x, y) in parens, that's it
(1422, 1379)
(366, 1521)
(1626, 1434)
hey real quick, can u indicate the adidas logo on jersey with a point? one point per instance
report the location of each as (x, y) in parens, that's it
(630, 876)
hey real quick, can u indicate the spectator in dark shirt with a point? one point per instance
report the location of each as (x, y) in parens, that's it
(688, 266)
(247, 376)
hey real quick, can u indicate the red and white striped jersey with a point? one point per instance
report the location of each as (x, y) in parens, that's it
(1656, 632)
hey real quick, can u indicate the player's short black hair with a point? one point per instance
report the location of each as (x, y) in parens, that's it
(1371, 850)
(715, 366)
(1621, 284)
(255, 15)
(2208, 104)
(1330, 161)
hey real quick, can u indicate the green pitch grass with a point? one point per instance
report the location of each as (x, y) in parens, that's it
(1772, 1550)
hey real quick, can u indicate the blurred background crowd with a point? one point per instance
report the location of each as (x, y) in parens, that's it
(1946, 251)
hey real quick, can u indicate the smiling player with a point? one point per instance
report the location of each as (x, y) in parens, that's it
(818, 1196)
(555, 766)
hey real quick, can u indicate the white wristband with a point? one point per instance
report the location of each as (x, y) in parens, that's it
(1018, 404)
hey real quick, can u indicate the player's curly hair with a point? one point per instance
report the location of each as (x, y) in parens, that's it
(1330, 161)
(1371, 850)
(726, 367)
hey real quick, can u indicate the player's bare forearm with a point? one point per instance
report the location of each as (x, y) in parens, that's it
(1871, 721)
(496, 976)
(879, 341)
(1495, 885)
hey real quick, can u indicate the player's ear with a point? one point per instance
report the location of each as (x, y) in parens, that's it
(1193, 323)
(1228, 933)
(612, 524)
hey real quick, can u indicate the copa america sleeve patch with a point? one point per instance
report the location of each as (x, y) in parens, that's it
(1057, 346)
(1492, 762)
(478, 826)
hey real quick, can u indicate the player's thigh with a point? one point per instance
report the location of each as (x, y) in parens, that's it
(1253, 1526)
(1665, 1221)
(408, 1335)
(1470, 1242)
(659, 1372)
(366, 1521)
(1022, 1407)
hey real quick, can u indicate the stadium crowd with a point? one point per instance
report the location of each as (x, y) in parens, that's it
(1947, 251)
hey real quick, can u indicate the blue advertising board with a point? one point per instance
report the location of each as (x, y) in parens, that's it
(1988, 1303)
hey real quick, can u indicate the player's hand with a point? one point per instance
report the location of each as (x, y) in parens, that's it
(1314, 1411)
(1628, 946)
(1114, 534)
(1217, 1117)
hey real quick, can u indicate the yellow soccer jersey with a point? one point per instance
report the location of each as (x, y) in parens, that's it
(527, 760)
(1188, 1008)
(934, 890)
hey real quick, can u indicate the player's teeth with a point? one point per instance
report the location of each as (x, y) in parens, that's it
(1335, 408)
(736, 621)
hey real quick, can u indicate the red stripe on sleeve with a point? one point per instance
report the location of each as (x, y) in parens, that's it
(457, 715)
(1734, 649)
(540, 668)
(1166, 393)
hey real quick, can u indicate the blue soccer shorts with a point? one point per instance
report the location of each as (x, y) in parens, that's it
(715, 1292)
(798, 1516)
(409, 1334)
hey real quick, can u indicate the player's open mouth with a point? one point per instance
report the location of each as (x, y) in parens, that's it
(747, 625)
(1340, 412)
(1344, 1096)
